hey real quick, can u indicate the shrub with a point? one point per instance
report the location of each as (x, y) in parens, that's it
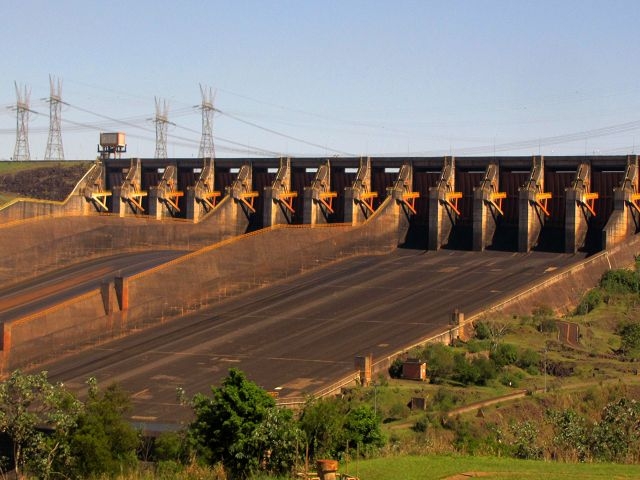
(504, 354)
(547, 325)
(475, 345)
(590, 301)
(630, 340)
(528, 359)
(440, 362)
(476, 372)
(395, 370)
(421, 425)
(510, 379)
(524, 442)
(482, 331)
(620, 281)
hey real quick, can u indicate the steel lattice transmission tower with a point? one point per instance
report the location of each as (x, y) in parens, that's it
(162, 121)
(21, 151)
(206, 141)
(54, 149)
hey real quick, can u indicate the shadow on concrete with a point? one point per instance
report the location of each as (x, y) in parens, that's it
(417, 237)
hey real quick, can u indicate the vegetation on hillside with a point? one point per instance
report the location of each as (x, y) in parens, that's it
(40, 180)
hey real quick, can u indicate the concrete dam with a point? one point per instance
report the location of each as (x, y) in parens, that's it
(292, 267)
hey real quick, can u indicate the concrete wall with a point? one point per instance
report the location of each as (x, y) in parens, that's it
(623, 222)
(563, 291)
(576, 221)
(201, 278)
(441, 220)
(45, 244)
(24, 209)
(484, 220)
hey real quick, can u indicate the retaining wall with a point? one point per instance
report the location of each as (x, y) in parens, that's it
(201, 278)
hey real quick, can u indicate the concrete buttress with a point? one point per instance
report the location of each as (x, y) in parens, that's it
(127, 198)
(487, 208)
(202, 197)
(358, 198)
(278, 208)
(532, 210)
(443, 211)
(579, 208)
(625, 219)
(318, 198)
(163, 198)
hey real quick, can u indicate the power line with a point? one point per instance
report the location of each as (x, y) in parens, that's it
(284, 135)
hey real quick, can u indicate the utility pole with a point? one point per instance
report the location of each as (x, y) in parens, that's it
(21, 151)
(161, 120)
(54, 149)
(206, 107)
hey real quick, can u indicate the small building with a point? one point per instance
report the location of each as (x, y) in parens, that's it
(413, 369)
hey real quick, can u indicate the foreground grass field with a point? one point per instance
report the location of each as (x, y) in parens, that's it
(459, 467)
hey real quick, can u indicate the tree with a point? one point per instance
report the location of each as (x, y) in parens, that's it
(29, 404)
(226, 423)
(104, 443)
(321, 421)
(571, 435)
(504, 354)
(362, 427)
(440, 362)
(630, 340)
(616, 438)
(278, 440)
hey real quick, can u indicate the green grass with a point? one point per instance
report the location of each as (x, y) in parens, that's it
(441, 467)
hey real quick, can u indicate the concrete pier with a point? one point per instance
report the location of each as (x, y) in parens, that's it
(579, 209)
(318, 198)
(278, 206)
(487, 208)
(443, 211)
(127, 197)
(532, 210)
(625, 219)
(202, 197)
(358, 199)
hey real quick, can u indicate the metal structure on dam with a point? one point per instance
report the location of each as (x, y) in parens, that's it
(248, 223)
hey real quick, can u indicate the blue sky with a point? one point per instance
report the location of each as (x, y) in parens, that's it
(328, 77)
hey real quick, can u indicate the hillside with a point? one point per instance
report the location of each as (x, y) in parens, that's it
(40, 180)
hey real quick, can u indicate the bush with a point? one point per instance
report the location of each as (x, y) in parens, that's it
(630, 340)
(476, 372)
(440, 362)
(547, 325)
(482, 331)
(395, 370)
(524, 443)
(590, 301)
(104, 442)
(528, 359)
(445, 400)
(510, 379)
(504, 354)
(620, 281)
(475, 345)
(421, 425)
